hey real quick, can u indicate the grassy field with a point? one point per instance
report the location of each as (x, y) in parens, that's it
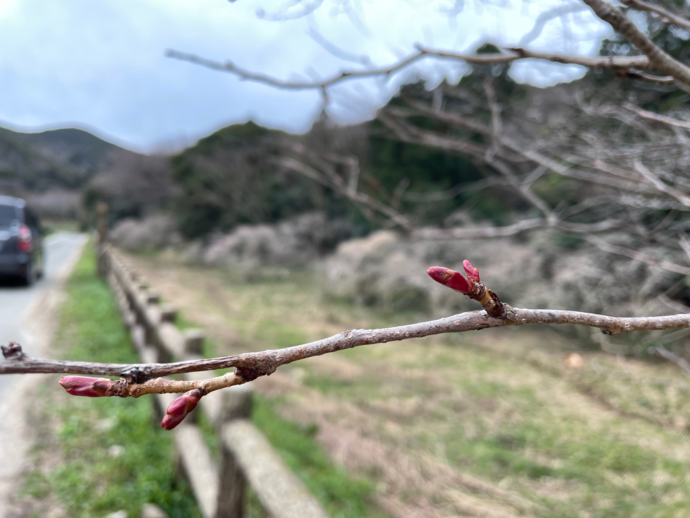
(96, 456)
(481, 424)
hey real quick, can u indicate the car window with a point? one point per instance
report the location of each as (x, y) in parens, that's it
(8, 214)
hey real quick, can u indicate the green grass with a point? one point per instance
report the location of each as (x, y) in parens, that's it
(92, 481)
(497, 405)
(341, 495)
(113, 456)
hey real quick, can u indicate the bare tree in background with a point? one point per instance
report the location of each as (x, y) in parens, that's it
(616, 142)
(131, 184)
(56, 204)
(626, 163)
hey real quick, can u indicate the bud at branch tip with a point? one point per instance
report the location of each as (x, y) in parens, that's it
(180, 408)
(87, 387)
(450, 278)
(471, 271)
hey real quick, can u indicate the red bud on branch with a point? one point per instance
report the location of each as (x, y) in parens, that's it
(87, 387)
(450, 278)
(178, 409)
(472, 287)
(472, 272)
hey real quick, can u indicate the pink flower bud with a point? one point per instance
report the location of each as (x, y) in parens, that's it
(87, 387)
(472, 272)
(178, 409)
(451, 279)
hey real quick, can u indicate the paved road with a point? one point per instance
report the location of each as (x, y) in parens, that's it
(15, 391)
(15, 300)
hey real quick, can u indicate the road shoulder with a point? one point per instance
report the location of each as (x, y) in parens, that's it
(16, 429)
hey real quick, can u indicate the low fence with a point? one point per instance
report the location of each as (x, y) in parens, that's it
(246, 456)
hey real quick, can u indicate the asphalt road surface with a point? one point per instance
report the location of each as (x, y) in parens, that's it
(21, 312)
(15, 301)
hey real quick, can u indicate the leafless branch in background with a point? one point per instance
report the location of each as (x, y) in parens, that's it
(674, 358)
(511, 55)
(624, 166)
(544, 18)
(659, 61)
(665, 14)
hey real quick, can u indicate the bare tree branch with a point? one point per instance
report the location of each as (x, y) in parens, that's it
(513, 54)
(425, 197)
(659, 60)
(525, 225)
(638, 256)
(479, 232)
(625, 193)
(665, 14)
(415, 135)
(673, 304)
(659, 185)
(665, 353)
(546, 17)
(526, 193)
(655, 59)
(339, 53)
(670, 121)
(643, 76)
(337, 184)
(252, 365)
(305, 10)
(500, 166)
(450, 144)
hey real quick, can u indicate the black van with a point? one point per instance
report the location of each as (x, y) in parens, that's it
(21, 241)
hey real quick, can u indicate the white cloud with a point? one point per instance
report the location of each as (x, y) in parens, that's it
(102, 65)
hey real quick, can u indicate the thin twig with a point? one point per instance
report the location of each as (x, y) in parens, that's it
(392, 114)
(659, 60)
(638, 256)
(659, 185)
(252, 365)
(670, 121)
(513, 54)
(665, 14)
(665, 353)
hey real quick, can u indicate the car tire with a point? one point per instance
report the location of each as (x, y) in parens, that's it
(41, 273)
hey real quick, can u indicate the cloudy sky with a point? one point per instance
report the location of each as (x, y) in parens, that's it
(101, 65)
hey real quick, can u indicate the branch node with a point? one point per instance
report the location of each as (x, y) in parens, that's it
(119, 388)
(136, 375)
(13, 351)
(251, 373)
(517, 50)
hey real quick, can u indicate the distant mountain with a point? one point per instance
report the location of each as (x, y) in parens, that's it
(55, 159)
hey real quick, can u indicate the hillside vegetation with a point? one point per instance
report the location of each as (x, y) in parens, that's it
(56, 159)
(52, 169)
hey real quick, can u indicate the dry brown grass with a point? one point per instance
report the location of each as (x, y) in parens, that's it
(487, 424)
